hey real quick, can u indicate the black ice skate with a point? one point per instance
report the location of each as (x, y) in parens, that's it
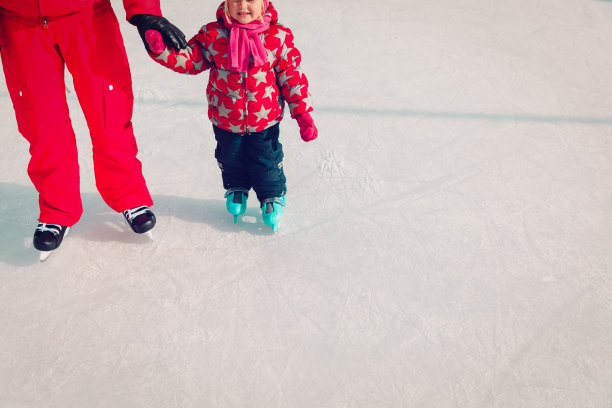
(141, 219)
(48, 237)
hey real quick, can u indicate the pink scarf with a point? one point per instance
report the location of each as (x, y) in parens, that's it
(244, 42)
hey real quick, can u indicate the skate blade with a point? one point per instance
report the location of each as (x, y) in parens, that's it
(149, 234)
(44, 255)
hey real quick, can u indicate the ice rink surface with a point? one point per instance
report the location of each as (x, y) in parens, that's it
(447, 241)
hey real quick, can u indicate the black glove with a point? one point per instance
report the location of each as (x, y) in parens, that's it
(170, 33)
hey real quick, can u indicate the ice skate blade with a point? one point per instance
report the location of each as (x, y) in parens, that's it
(44, 255)
(235, 219)
(149, 234)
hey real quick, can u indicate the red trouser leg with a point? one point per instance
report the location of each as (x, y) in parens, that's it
(95, 55)
(34, 72)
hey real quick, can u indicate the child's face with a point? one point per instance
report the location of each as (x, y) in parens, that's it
(245, 11)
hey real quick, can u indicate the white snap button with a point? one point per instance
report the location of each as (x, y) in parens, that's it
(20, 93)
(110, 87)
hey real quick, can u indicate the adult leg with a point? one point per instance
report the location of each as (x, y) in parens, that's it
(264, 158)
(34, 72)
(95, 55)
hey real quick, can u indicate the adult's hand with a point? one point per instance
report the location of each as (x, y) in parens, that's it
(171, 35)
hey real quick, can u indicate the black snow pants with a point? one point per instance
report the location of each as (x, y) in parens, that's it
(252, 160)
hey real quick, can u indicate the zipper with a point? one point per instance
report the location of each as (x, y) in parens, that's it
(246, 101)
(44, 19)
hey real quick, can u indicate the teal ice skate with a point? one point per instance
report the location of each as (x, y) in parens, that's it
(272, 211)
(236, 201)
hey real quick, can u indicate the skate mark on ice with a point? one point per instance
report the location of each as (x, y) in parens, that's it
(481, 116)
(196, 103)
(447, 115)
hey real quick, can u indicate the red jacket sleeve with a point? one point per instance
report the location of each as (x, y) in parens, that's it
(141, 7)
(292, 82)
(190, 60)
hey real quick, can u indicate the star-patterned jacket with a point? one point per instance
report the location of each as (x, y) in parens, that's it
(244, 102)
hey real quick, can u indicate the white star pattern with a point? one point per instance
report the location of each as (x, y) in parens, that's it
(222, 75)
(296, 90)
(223, 111)
(164, 55)
(213, 53)
(307, 101)
(260, 77)
(223, 33)
(271, 56)
(281, 35)
(197, 65)
(282, 79)
(263, 113)
(284, 52)
(234, 93)
(235, 128)
(181, 61)
(249, 101)
(268, 93)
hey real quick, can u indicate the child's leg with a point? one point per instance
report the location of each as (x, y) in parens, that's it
(230, 157)
(264, 158)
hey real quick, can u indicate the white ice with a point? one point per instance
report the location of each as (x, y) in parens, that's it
(447, 243)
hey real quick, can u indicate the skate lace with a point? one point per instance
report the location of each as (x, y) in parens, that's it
(55, 229)
(276, 200)
(233, 190)
(134, 212)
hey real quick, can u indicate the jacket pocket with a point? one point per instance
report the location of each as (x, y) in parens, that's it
(117, 107)
(21, 104)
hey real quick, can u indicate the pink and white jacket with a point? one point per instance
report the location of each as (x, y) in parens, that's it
(244, 102)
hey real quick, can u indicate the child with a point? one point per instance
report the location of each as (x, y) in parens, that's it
(255, 68)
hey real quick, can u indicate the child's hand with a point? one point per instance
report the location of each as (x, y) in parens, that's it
(155, 41)
(170, 33)
(308, 130)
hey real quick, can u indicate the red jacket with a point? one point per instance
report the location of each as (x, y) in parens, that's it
(56, 8)
(243, 102)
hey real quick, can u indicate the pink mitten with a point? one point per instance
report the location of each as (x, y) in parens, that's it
(308, 130)
(155, 41)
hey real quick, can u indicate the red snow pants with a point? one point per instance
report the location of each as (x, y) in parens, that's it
(34, 54)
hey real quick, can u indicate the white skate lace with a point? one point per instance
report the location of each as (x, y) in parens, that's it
(134, 212)
(233, 190)
(276, 200)
(55, 229)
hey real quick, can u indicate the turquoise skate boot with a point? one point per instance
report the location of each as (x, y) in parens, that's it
(272, 211)
(236, 201)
